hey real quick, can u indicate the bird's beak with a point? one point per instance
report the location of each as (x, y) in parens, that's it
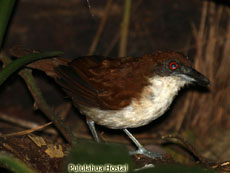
(191, 75)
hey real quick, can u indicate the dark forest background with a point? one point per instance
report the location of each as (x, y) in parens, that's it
(199, 29)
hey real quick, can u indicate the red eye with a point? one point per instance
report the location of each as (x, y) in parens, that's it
(173, 65)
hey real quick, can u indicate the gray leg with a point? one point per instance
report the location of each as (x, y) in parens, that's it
(141, 149)
(135, 141)
(93, 130)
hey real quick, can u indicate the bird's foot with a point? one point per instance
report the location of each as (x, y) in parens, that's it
(143, 151)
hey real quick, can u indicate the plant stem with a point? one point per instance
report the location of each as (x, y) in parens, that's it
(124, 29)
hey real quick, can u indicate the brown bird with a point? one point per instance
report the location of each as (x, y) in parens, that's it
(126, 92)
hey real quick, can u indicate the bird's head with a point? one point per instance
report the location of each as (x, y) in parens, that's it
(176, 64)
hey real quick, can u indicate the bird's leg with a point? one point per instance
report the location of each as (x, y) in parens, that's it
(91, 125)
(141, 149)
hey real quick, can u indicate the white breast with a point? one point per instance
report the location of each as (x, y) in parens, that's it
(156, 100)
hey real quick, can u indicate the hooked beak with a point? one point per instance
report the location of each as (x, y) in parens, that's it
(191, 75)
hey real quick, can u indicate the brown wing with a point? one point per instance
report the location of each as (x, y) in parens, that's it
(97, 81)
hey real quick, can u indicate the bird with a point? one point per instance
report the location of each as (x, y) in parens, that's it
(126, 92)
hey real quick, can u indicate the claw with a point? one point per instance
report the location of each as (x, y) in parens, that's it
(150, 154)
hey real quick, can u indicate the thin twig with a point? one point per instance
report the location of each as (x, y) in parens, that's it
(89, 6)
(23, 123)
(17, 121)
(125, 29)
(25, 132)
(100, 28)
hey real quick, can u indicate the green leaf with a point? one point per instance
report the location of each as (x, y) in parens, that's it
(13, 164)
(6, 7)
(17, 64)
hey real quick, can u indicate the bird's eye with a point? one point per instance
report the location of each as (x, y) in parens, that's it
(173, 65)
